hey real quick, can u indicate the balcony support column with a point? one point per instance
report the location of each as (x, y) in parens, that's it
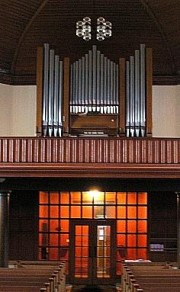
(4, 228)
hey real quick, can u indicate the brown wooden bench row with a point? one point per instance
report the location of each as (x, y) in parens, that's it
(149, 279)
(33, 278)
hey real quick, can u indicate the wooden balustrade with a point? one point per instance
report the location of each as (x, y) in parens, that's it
(72, 154)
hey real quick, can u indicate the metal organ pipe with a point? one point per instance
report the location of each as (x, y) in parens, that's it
(56, 95)
(79, 101)
(90, 83)
(142, 89)
(86, 81)
(94, 81)
(131, 96)
(136, 94)
(136, 97)
(98, 82)
(83, 84)
(97, 86)
(105, 86)
(52, 93)
(60, 122)
(102, 84)
(127, 100)
(45, 89)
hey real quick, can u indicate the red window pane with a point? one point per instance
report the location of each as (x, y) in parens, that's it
(131, 212)
(75, 212)
(142, 253)
(54, 211)
(43, 211)
(131, 226)
(43, 198)
(131, 240)
(87, 212)
(53, 253)
(54, 198)
(121, 198)
(132, 198)
(142, 226)
(64, 225)
(142, 240)
(43, 225)
(110, 212)
(121, 240)
(64, 197)
(75, 198)
(142, 212)
(121, 226)
(64, 211)
(53, 239)
(121, 212)
(110, 198)
(142, 198)
(54, 225)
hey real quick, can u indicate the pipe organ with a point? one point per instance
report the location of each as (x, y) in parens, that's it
(94, 95)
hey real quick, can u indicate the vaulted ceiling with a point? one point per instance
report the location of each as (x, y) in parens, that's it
(25, 25)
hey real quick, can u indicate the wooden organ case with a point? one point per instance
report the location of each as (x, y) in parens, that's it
(94, 96)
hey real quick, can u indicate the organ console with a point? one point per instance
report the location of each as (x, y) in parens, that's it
(94, 96)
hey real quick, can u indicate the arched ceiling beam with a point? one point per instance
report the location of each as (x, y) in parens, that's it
(41, 6)
(161, 31)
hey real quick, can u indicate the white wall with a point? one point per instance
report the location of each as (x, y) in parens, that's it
(5, 110)
(18, 111)
(166, 111)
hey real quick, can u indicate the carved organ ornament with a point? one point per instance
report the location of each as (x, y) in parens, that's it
(94, 96)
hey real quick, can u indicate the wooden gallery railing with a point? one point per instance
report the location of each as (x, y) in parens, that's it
(94, 95)
(109, 156)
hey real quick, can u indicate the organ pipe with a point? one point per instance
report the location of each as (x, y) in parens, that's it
(52, 93)
(99, 84)
(94, 83)
(136, 94)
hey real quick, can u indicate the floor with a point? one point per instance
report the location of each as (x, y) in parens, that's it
(99, 288)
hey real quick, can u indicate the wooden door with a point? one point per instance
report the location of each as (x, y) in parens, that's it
(92, 251)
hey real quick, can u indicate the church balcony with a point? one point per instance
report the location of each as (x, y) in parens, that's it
(102, 157)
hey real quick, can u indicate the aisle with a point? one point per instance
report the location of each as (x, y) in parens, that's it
(99, 288)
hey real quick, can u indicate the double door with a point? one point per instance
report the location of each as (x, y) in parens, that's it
(92, 251)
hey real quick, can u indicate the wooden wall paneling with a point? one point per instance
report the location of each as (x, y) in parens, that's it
(66, 97)
(23, 225)
(149, 73)
(122, 94)
(39, 84)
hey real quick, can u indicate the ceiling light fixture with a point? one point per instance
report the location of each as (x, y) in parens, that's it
(103, 29)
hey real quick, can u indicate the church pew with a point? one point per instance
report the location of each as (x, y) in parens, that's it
(33, 278)
(149, 277)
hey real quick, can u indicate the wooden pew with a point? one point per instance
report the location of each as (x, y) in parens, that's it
(35, 277)
(150, 278)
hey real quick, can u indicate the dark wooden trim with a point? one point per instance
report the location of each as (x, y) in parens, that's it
(89, 170)
(122, 97)
(30, 79)
(39, 85)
